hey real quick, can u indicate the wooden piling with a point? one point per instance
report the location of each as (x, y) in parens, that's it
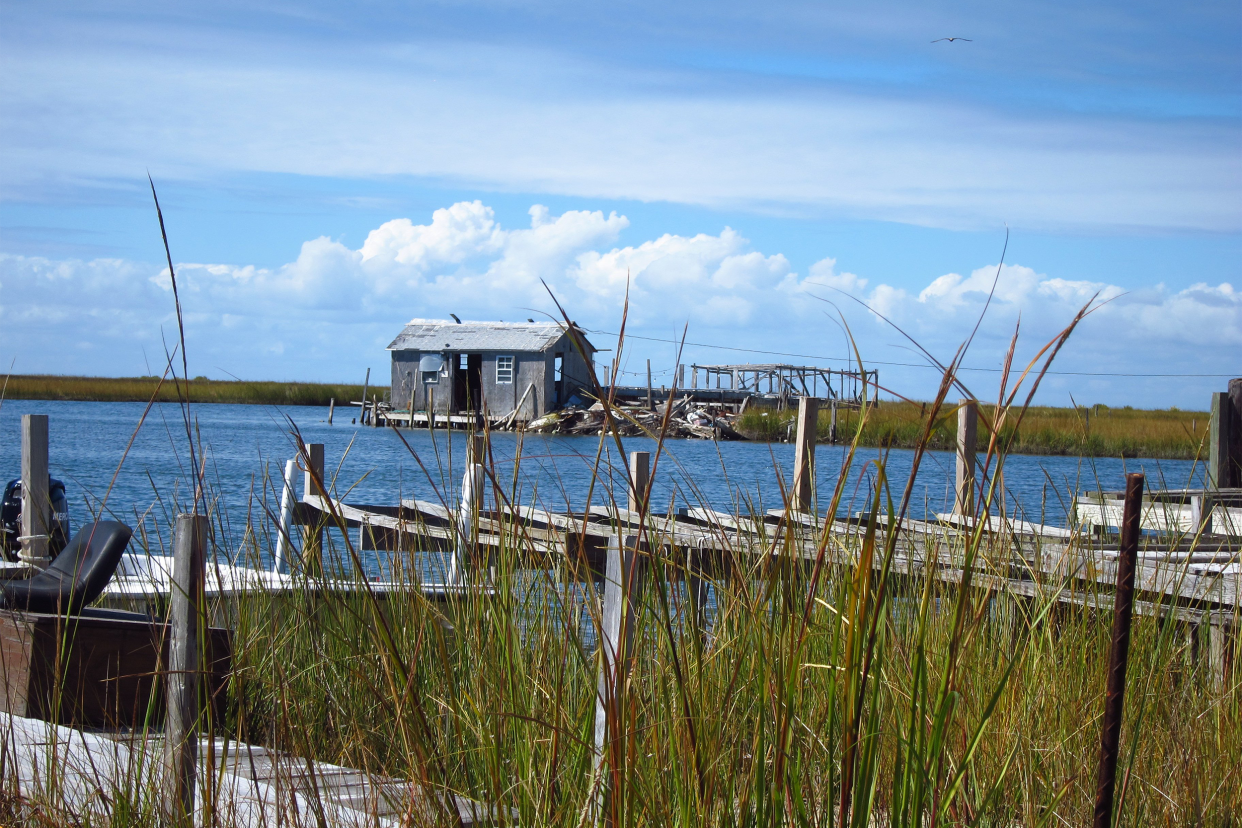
(331, 408)
(650, 403)
(640, 479)
(967, 430)
(1123, 611)
(184, 669)
(36, 508)
(283, 540)
(832, 427)
(681, 376)
(312, 538)
(802, 496)
(366, 383)
(626, 573)
(1225, 447)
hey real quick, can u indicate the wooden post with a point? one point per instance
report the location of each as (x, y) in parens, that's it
(283, 541)
(366, 383)
(681, 376)
(36, 508)
(184, 670)
(967, 429)
(650, 404)
(640, 479)
(623, 585)
(312, 537)
(802, 495)
(467, 512)
(1201, 514)
(331, 408)
(1235, 432)
(1218, 448)
(694, 377)
(374, 411)
(1123, 610)
(832, 428)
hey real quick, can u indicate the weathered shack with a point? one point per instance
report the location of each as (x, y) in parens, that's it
(454, 367)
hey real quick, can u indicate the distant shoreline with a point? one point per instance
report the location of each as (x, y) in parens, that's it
(1095, 431)
(203, 390)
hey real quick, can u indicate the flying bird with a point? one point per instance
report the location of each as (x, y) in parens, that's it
(951, 39)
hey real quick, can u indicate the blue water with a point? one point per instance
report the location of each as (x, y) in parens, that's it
(245, 448)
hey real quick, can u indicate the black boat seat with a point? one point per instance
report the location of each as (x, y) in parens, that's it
(76, 577)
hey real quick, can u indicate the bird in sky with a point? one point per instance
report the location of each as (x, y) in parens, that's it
(951, 39)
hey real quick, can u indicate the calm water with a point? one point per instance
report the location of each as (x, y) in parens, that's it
(246, 446)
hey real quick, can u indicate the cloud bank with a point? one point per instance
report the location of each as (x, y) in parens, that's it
(334, 308)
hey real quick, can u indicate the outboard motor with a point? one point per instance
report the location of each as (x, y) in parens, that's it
(11, 518)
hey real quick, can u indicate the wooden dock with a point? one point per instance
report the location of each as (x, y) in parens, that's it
(77, 772)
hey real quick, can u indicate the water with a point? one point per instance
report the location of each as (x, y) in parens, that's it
(245, 448)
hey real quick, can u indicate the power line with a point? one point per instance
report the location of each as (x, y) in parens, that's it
(901, 364)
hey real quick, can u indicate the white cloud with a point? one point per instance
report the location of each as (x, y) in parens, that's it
(334, 303)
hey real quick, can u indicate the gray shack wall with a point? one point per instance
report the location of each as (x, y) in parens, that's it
(533, 369)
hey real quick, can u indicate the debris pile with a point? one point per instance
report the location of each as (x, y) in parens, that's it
(686, 420)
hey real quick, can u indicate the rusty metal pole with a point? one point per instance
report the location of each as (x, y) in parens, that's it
(1123, 611)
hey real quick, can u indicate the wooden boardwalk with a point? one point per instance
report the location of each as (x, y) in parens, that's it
(84, 772)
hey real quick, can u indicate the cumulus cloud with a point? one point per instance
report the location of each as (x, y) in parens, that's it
(333, 304)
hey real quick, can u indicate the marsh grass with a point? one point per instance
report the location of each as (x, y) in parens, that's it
(844, 687)
(143, 389)
(1097, 431)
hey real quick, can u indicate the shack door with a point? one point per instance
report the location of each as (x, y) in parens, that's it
(468, 383)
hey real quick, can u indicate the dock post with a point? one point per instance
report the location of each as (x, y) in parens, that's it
(312, 486)
(802, 496)
(650, 404)
(1123, 613)
(1225, 449)
(36, 508)
(184, 672)
(967, 431)
(832, 428)
(283, 541)
(640, 479)
(331, 408)
(694, 377)
(411, 423)
(366, 383)
(623, 586)
(467, 512)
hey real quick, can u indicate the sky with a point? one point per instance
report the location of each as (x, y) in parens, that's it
(806, 183)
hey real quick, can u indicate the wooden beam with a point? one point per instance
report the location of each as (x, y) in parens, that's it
(967, 430)
(1219, 476)
(640, 479)
(36, 508)
(184, 669)
(312, 486)
(802, 496)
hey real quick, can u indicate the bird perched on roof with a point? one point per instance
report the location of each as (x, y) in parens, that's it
(951, 39)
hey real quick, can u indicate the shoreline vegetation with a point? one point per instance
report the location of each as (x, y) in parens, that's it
(1099, 430)
(203, 390)
(1087, 431)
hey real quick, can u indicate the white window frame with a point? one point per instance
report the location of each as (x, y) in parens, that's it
(505, 370)
(431, 377)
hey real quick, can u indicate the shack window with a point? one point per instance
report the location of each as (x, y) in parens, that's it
(431, 377)
(504, 370)
(429, 366)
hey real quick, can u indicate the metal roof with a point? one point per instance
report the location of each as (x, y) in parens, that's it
(447, 335)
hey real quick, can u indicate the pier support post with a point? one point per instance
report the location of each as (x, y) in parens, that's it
(1225, 448)
(312, 486)
(36, 508)
(331, 408)
(283, 541)
(650, 402)
(967, 430)
(802, 497)
(366, 383)
(623, 585)
(1123, 613)
(467, 512)
(640, 479)
(184, 671)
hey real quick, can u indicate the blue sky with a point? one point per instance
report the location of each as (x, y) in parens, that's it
(329, 171)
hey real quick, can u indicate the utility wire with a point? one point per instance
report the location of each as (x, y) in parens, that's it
(896, 364)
